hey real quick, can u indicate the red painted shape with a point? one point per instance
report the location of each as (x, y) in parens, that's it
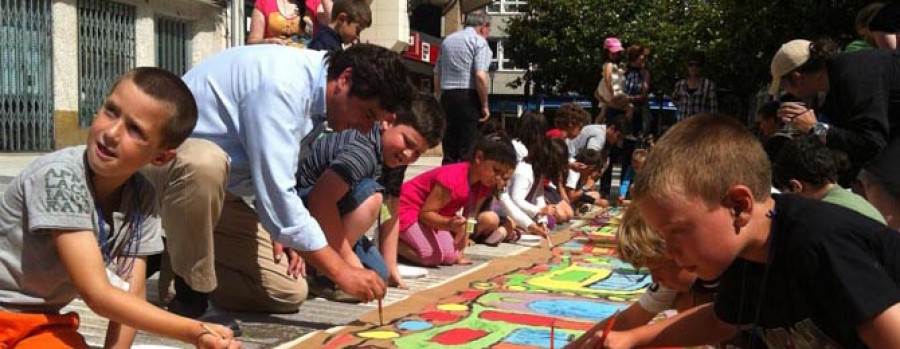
(533, 320)
(471, 294)
(439, 316)
(340, 341)
(458, 336)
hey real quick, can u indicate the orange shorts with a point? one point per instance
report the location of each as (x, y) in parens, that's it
(23, 330)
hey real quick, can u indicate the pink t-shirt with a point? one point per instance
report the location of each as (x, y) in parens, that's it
(454, 177)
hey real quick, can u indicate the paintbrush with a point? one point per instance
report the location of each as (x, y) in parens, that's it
(552, 334)
(211, 331)
(607, 329)
(380, 314)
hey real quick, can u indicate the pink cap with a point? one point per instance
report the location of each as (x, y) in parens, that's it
(612, 44)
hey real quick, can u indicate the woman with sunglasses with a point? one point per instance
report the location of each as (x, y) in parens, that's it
(695, 94)
(861, 113)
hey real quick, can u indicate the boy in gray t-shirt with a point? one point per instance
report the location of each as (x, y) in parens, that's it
(80, 222)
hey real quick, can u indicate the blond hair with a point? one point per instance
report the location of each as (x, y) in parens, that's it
(636, 242)
(639, 156)
(704, 156)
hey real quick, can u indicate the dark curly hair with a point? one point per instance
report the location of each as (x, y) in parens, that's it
(571, 114)
(425, 116)
(820, 52)
(377, 73)
(807, 159)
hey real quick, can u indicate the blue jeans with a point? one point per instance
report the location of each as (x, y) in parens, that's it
(364, 248)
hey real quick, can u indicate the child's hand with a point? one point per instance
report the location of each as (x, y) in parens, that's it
(215, 337)
(396, 280)
(547, 210)
(457, 225)
(537, 229)
(591, 340)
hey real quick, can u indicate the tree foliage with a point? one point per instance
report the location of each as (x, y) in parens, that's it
(563, 39)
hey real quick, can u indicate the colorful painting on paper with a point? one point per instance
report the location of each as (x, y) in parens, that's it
(582, 284)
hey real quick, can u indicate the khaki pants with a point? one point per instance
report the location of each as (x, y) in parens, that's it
(206, 250)
(191, 190)
(249, 278)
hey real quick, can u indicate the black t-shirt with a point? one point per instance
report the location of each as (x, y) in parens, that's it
(830, 269)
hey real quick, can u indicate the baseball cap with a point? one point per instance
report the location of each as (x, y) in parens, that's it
(790, 56)
(612, 44)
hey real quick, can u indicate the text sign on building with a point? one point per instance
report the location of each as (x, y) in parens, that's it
(421, 50)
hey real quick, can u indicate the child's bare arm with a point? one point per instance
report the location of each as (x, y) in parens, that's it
(881, 331)
(429, 214)
(631, 317)
(81, 258)
(388, 240)
(323, 206)
(118, 335)
(696, 326)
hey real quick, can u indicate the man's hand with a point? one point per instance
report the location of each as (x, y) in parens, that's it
(363, 284)
(485, 114)
(797, 115)
(296, 267)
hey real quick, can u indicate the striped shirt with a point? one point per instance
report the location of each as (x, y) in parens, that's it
(352, 155)
(702, 100)
(462, 54)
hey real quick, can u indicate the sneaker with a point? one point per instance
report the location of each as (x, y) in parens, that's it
(208, 314)
(322, 287)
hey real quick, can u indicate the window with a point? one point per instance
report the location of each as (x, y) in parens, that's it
(506, 6)
(172, 41)
(503, 62)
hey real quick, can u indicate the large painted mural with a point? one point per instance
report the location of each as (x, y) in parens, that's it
(545, 305)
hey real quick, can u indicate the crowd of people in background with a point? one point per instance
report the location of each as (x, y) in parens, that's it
(252, 180)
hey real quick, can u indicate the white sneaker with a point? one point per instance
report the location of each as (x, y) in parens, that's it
(410, 272)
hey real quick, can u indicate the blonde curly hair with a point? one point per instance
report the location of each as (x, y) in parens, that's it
(636, 242)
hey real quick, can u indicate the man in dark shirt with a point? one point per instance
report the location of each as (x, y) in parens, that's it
(862, 106)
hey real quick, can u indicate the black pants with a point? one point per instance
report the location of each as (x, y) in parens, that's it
(463, 110)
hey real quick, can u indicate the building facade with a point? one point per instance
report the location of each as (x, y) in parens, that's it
(59, 58)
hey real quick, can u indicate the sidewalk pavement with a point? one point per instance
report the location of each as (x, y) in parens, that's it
(273, 330)
(13, 163)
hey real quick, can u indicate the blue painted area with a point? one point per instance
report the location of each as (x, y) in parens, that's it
(586, 310)
(538, 338)
(623, 282)
(412, 325)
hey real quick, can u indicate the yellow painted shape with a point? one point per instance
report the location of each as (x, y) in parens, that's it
(378, 334)
(516, 288)
(547, 281)
(483, 285)
(453, 307)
